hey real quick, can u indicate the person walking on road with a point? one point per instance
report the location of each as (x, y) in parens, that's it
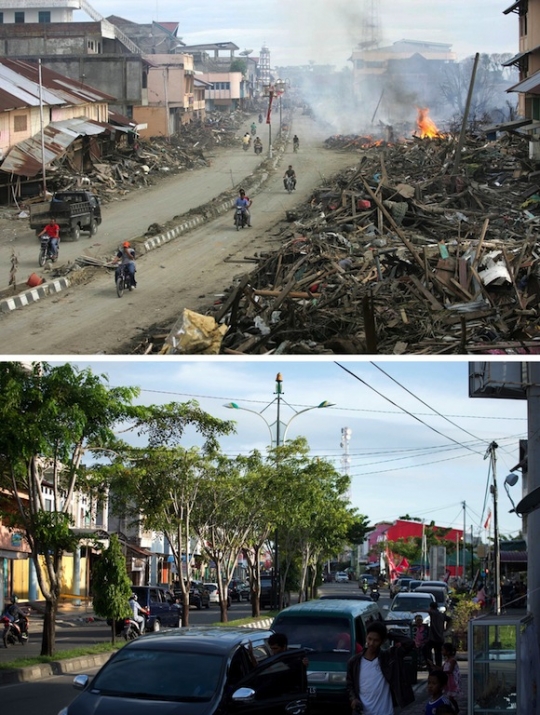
(437, 626)
(376, 679)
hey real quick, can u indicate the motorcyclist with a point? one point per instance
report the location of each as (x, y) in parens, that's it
(260, 118)
(138, 612)
(296, 143)
(244, 202)
(18, 617)
(257, 145)
(246, 140)
(364, 585)
(253, 128)
(52, 230)
(289, 173)
(126, 257)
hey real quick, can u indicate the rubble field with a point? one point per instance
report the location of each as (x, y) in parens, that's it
(406, 252)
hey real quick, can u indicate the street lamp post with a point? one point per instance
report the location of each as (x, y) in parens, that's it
(278, 433)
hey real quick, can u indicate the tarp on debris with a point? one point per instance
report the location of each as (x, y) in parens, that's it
(25, 159)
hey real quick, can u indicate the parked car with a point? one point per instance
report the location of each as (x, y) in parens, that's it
(165, 612)
(73, 211)
(267, 598)
(399, 584)
(342, 577)
(198, 595)
(348, 597)
(195, 670)
(440, 595)
(239, 590)
(213, 593)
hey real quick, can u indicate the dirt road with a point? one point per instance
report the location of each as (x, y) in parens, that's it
(188, 272)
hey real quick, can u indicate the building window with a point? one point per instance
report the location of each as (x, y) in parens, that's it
(19, 17)
(20, 123)
(44, 16)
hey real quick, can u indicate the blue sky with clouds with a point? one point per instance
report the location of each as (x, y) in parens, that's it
(327, 31)
(415, 463)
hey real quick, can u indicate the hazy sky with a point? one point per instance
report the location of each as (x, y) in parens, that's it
(326, 31)
(398, 463)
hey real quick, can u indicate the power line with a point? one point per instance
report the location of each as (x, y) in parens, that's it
(356, 377)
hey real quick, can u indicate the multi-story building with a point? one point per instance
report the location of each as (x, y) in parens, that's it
(527, 60)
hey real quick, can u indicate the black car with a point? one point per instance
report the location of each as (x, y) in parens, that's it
(196, 671)
(238, 590)
(198, 595)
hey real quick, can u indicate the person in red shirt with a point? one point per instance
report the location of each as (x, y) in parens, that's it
(52, 229)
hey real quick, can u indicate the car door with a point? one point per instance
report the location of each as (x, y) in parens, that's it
(279, 684)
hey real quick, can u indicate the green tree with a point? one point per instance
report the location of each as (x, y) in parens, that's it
(49, 418)
(158, 486)
(112, 587)
(238, 65)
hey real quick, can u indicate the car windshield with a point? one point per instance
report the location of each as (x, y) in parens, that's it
(410, 603)
(321, 635)
(160, 675)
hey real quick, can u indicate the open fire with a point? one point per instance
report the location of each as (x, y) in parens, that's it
(426, 126)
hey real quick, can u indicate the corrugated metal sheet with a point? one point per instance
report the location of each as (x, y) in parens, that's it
(531, 85)
(25, 89)
(24, 159)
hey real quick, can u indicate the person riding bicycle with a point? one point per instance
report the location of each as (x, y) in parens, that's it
(290, 173)
(244, 202)
(52, 229)
(296, 143)
(126, 257)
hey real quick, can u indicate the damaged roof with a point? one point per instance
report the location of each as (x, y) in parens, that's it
(24, 159)
(23, 76)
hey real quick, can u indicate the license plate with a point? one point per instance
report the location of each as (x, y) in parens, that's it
(312, 690)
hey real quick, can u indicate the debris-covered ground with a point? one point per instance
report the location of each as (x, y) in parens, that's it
(406, 252)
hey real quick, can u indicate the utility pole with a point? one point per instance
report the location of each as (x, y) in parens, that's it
(533, 479)
(464, 505)
(491, 451)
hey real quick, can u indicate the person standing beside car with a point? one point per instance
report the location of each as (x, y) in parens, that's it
(376, 678)
(437, 626)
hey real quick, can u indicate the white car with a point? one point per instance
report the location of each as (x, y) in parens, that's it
(342, 577)
(405, 607)
(213, 592)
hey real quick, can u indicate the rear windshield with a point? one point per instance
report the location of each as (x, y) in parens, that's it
(321, 635)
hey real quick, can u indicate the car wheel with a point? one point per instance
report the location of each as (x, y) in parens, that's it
(75, 233)
(156, 626)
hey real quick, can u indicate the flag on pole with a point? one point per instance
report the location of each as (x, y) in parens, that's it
(488, 520)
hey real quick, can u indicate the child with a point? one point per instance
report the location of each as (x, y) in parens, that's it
(436, 683)
(451, 668)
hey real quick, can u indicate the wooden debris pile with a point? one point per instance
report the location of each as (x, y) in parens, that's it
(401, 255)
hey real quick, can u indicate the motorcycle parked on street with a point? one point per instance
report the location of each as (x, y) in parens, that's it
(15, 631)
(46, 251)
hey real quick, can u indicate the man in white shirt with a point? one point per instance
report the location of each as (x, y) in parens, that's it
(376, 680)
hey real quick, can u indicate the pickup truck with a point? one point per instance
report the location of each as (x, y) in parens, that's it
(74, 211)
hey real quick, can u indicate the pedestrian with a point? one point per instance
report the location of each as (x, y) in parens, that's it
(376, 678)
(437, 625)
(438, 702)
(451, 668)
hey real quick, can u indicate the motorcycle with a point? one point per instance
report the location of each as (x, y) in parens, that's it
(46, 252)
(364, 587)
(253, 130)
(123, 280)
(375, 595)
(260, 118)
(289, 183)
(131, 630)
(240, 218)
(257, 148)
(14, 631)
